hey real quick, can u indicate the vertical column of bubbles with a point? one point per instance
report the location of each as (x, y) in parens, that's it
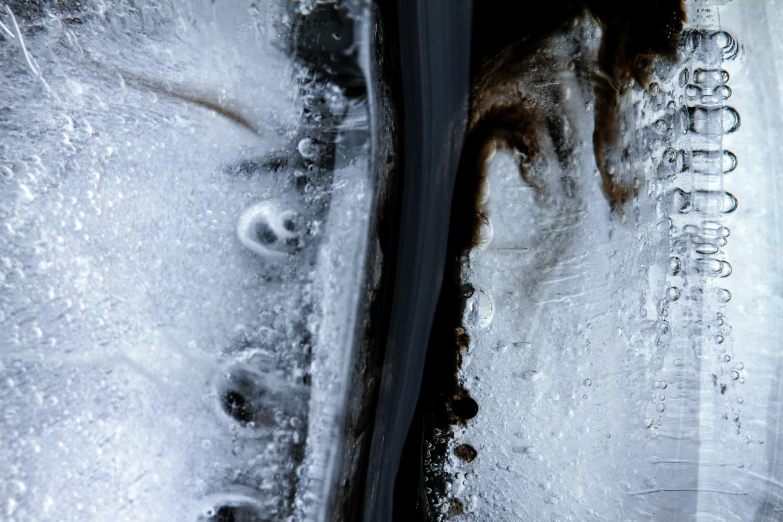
(705, 233)
(700, 359)
(261, 394)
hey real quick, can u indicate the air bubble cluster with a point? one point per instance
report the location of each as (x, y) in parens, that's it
(698, 162)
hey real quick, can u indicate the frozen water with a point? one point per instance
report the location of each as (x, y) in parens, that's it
(630, 366)
(162, 257)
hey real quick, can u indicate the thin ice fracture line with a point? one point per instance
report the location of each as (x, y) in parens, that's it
(7, 30)
(693, 462)
(769, 480)
(21, 42)
(697, 490)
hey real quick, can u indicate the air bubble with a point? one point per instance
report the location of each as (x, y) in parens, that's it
(730, 203)
(683, 78)
(734, 376)
(242, 506)
(673, 162)
(660, 407)
(710, 229)
(730, 47)
(713, 267)
(479, 310)
(308, 148)
(723, 295)
(529, 375)
(706, 248)
(675, 265)
(251, 399)
(713, 162)
(268, 231)
(505, 346)
(713, 121)
(729, 161)
(305, 8)
(731, 116)
(705, 201)
(726, 358)
(486, 232)
(484, 193)
(465, 408)
(681, 201)
(693, 91)
(587, 382)
(740, 366)
(678, 160)
(465, 453)
(672, 293)
(719, 340)
(710, 78)
(713, 230)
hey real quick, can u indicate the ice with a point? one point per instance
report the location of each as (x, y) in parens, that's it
(162, 252)
(626, 366)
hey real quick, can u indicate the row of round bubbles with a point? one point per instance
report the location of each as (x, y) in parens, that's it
(708, 162)
(711, 162)
(703, 201)
(708, 87)
(708, 96)
(709, 120)
(692, 170)
(699, 46)
(262, 393)
(708, 238)
(712, 267)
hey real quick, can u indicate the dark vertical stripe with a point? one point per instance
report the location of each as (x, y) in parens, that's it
(435, 57)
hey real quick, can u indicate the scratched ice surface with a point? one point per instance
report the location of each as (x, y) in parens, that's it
(168, 251)
(629, 368)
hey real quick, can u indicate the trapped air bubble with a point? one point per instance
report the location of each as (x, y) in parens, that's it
(269, 231)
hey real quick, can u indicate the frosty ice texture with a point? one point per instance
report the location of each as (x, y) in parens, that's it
(162, 233)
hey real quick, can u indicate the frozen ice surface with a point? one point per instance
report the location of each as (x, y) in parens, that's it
(162, 284)
(628, 367)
